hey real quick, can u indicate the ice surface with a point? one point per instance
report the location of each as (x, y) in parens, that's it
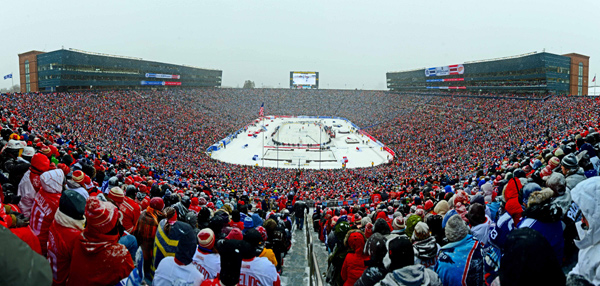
(294, 131)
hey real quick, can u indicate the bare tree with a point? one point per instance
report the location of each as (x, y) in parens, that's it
(249, 84)
(14, 88)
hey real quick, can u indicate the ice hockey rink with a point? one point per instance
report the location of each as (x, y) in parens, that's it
(293, 142)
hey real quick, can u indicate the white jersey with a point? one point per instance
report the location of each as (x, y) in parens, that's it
(208, 264)
(258, 272)
(169, 273)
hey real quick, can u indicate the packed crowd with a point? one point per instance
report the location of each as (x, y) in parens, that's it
(131, 165)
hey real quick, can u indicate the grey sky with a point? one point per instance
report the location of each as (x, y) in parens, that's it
(351, 43)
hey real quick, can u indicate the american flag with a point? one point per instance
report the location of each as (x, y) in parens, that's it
(261, 112)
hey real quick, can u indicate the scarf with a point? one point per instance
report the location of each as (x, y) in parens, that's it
(68, 221)
(426, 249)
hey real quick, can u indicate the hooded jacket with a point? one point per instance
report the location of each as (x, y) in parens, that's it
(412, 275)
(63, 233)
(513, 197)
(482, 231)
(354, 264)
(585, 195)
(31, 183)
(99, 259)
(575, 178)
(426, 252)
(45, 205)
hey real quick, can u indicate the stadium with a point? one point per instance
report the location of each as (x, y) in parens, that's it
(122, 171)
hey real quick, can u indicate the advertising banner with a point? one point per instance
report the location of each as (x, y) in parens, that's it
(447, 87)
(445, 79)
(445, 70)
(158, 75)
(146, 82)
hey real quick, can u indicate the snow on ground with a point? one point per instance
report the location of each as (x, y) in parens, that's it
(257, 147)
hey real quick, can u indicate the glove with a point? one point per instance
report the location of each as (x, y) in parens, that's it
(22, 221)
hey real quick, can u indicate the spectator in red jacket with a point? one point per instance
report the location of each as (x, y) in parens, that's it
(195, 205)
(98, 258)
(64, 231)
(45, 205)
(130, 209)
(354, 264)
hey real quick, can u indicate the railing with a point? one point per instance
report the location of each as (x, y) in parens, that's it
(314, 274)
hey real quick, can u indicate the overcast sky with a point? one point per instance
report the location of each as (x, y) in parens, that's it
(351, 43)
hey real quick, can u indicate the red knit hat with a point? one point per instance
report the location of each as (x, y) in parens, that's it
(116, 194)
(235, 233)
(64, 168)
(78, 177)
(157, 204)
(101, 216)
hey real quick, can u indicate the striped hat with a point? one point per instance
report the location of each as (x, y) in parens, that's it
(116, 194)
(206, 239)
(399, 223)
(78, 177)
(101, 216)
(46, 150)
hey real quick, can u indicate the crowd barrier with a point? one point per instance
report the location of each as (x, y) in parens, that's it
(314, 274)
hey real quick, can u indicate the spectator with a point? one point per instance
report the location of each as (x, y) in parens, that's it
(585, 195)
(179, 270)
(63, 233)
(207, 259)
(98, 246)
(354, 263)
(460, 261)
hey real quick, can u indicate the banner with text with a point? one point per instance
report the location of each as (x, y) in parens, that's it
(445, 70)
(158, 75)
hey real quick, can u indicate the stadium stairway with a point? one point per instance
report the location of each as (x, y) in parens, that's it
(295, 267)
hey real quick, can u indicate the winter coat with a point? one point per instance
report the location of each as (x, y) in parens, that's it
(461, 263)
(62, 235)
(482, 231)
(19, 265)
(300, 208)
(165, 244)
(145, 232)
(98, 259)
(16, 169)
(131, 214)
(411, 275)
(31, 183)
(26, 235)
(29, 186)
(45, 205)
(371, 275)
(585, 195)
(269, 254)
(546, 219)
(574, 178)
(426, 251)
(71, 185)
(354, 266)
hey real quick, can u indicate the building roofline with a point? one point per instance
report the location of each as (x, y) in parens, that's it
(132, 58)
(31, 52)
(576, 54)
